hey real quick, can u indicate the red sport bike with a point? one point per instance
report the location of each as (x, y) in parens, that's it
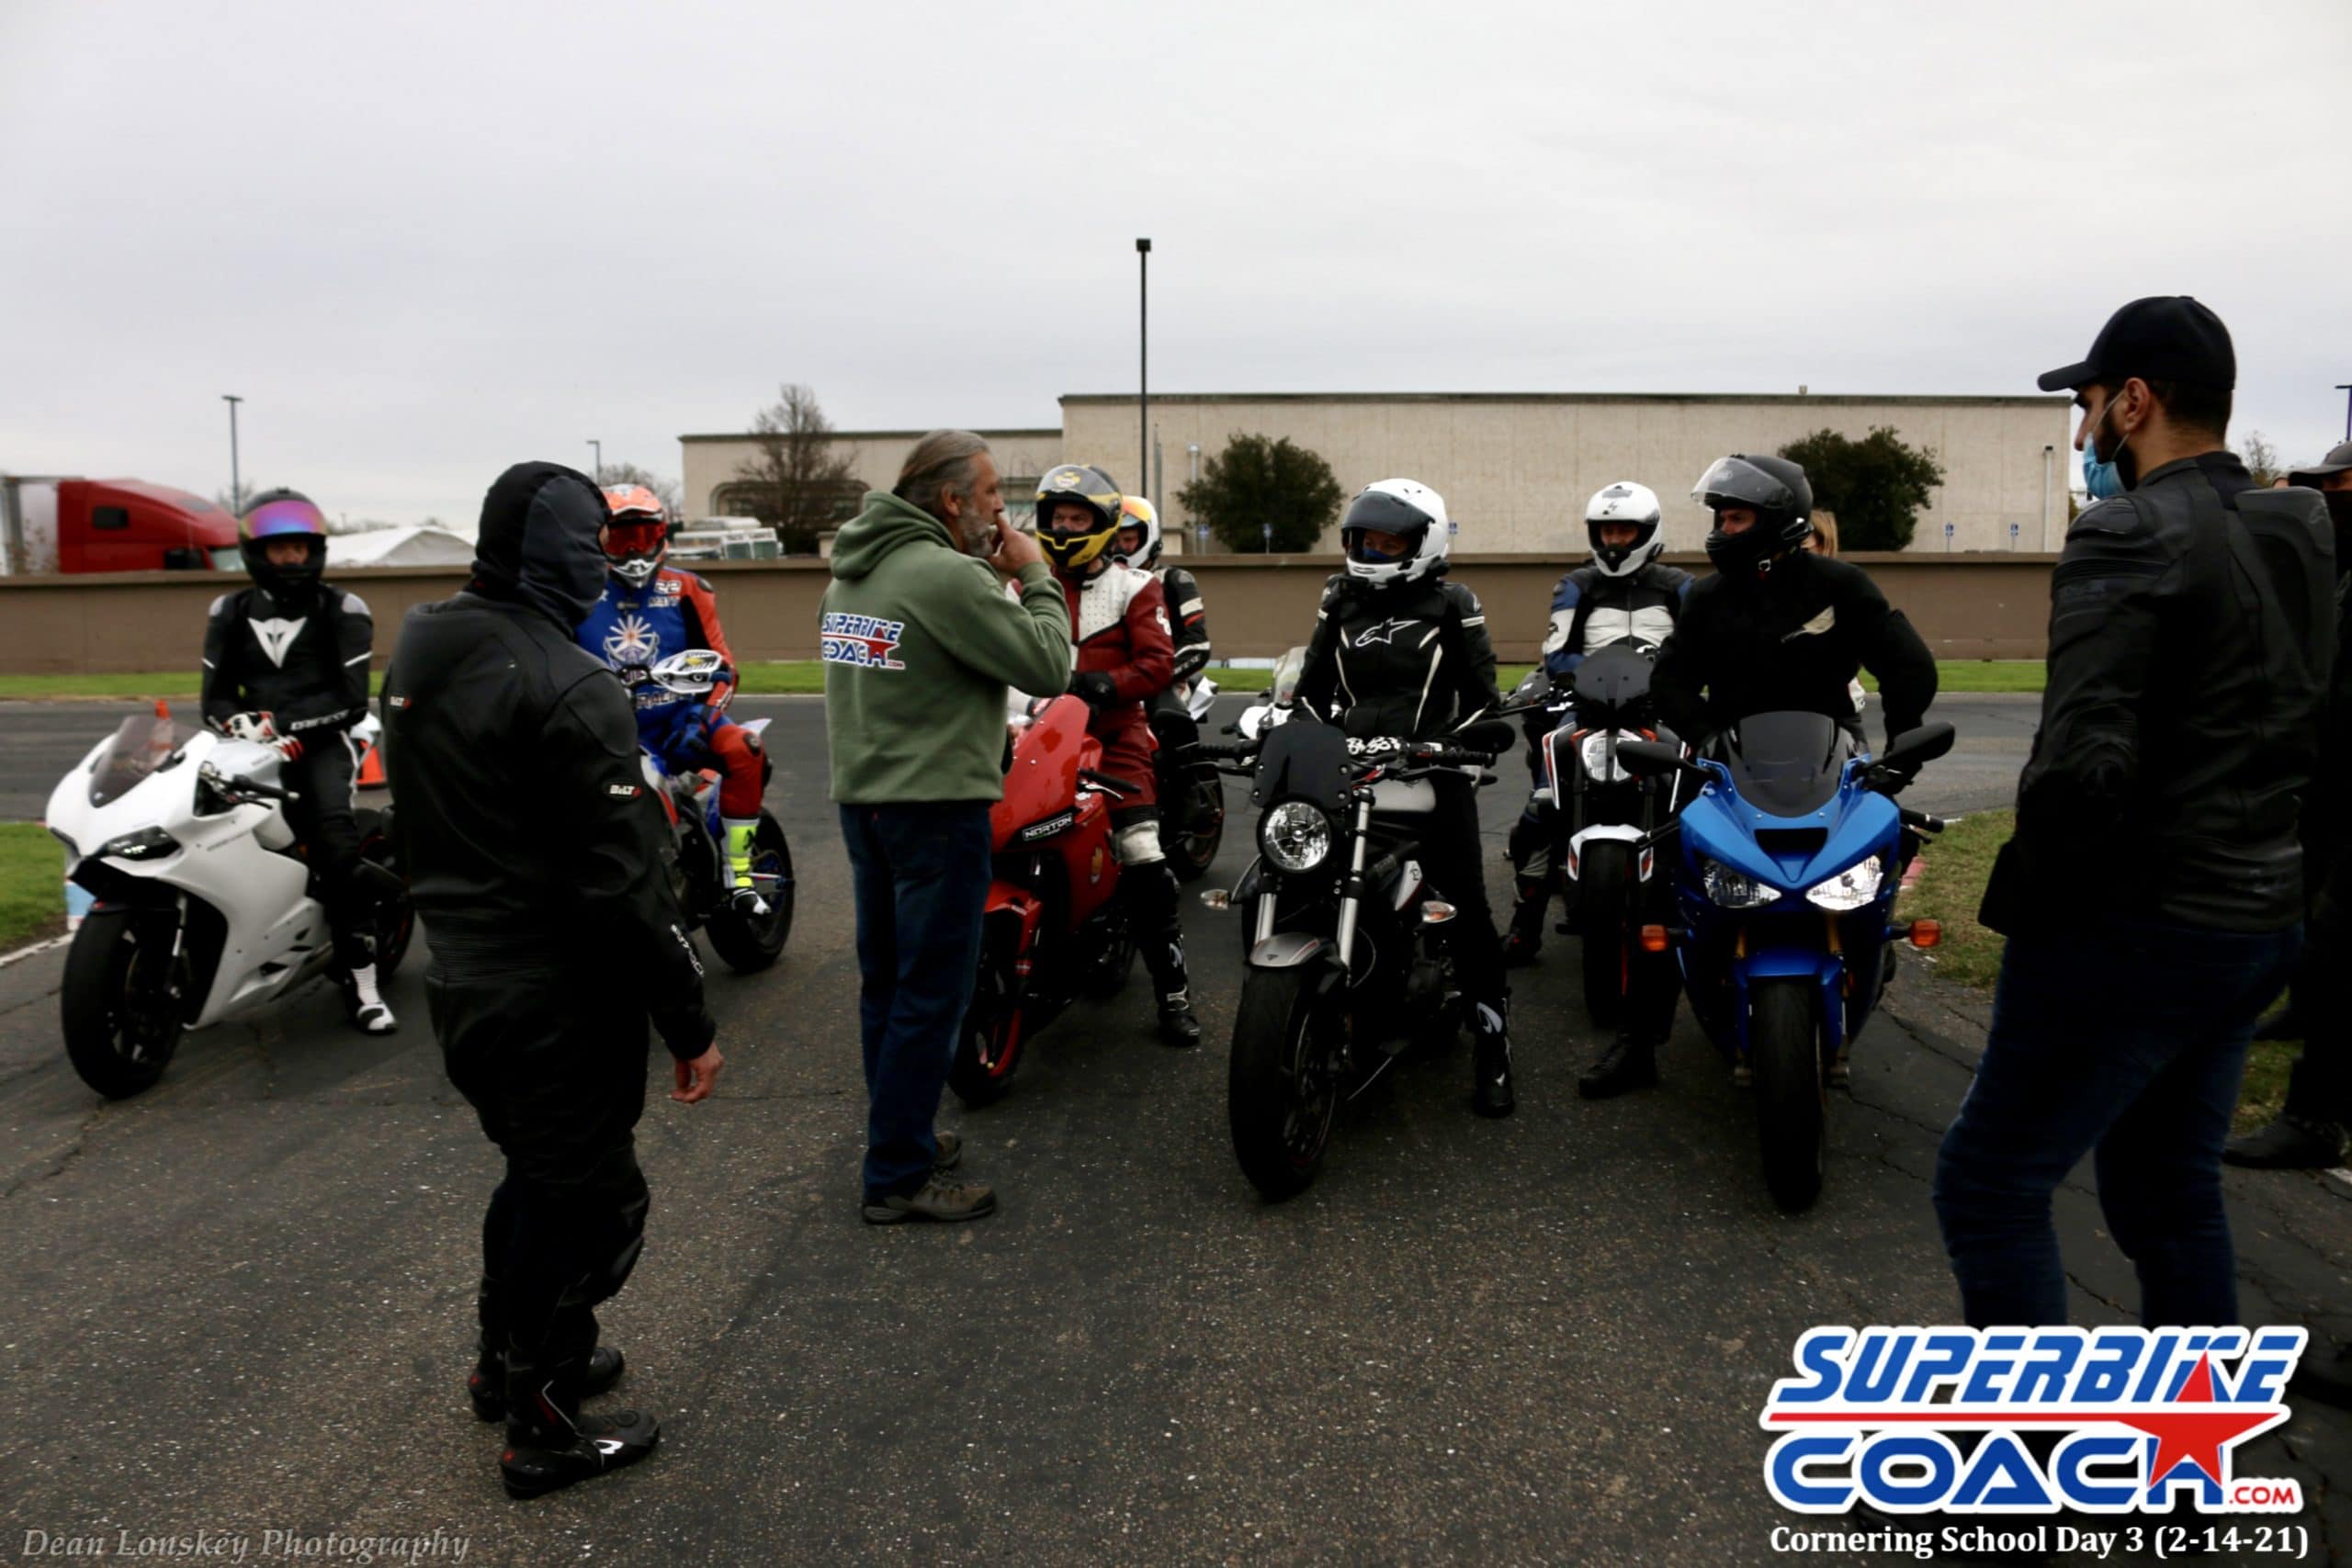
(1055, 929)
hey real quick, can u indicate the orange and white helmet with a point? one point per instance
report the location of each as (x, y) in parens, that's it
(638, 538)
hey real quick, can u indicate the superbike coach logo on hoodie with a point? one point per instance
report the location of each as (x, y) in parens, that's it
(864, 642)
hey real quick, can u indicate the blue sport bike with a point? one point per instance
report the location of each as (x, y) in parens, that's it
(1791, 852)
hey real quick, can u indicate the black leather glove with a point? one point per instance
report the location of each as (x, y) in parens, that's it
(1094, 688)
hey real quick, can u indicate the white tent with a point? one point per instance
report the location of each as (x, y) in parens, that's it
(412, 544)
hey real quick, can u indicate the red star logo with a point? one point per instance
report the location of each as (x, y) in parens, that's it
(2200, 1438)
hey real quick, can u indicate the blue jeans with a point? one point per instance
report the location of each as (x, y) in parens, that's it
(921, 876)
(2127, 1038)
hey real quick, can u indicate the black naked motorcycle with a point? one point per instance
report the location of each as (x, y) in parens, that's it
(1604, 813)
(1348, 962)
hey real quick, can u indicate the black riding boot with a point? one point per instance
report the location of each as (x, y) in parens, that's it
(1525, 937)
(1490, 1092)
(1153, 894)
(551, 1443)
(1626, 1063)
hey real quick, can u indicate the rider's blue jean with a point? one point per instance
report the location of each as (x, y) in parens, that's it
(919, 873)
(2124, 1039)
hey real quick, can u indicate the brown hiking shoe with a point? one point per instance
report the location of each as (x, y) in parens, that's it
(951, 1151)
(942, 1198)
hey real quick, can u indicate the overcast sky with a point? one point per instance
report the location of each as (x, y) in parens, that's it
(426, 239)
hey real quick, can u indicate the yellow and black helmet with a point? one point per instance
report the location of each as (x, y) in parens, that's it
(1069, 547)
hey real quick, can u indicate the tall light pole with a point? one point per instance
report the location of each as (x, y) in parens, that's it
(236, 488)
(1143, 365)
(599, 447)
(2347, 386)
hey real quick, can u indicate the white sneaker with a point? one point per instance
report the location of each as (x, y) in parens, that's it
(369, 1013)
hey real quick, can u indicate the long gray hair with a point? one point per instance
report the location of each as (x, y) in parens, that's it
(941, 462)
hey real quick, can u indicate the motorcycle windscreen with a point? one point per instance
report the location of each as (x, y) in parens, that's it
(1303, 760)
(1787, 763)
(1613, 677)
(142, 745)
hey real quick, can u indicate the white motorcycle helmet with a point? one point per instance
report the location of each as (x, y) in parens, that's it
(1624, 502)
(1407, 509)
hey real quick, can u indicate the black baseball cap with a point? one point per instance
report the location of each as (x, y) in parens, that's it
(2166, 337)
(2338, 459)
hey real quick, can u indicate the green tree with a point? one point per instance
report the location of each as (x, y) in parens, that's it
(1876, 486)
(1259, 482)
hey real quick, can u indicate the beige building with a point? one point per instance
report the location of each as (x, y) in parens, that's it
(1515, 468)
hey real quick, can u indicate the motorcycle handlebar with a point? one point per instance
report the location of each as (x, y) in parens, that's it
(1922, 820)
(1109, 782)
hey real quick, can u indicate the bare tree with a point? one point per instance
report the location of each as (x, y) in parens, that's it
(2261, 458)
(667, 491)
(798, 480)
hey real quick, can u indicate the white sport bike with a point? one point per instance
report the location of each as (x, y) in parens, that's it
(204, 901)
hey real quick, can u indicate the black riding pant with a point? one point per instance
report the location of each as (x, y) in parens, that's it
(322, 817)
(1454, 857)
(554, 1062)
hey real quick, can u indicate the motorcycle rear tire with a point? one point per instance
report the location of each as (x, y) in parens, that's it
(988, 1046)
(1190, 850)
(1601, 904)
(395, 918)
(748, 945)
(1279, 1035)
(117, 1049)
(1791, 1104)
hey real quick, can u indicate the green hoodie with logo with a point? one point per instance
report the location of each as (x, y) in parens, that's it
(919, 641)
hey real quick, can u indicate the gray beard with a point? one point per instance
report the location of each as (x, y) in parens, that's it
(976, 537)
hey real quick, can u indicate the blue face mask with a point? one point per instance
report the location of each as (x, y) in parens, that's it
(2102, 479)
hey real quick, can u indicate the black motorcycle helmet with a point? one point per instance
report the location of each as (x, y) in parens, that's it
(1776, 490)
(1073, 552)
(283, 514)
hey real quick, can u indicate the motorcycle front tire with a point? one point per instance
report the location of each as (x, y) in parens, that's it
(1600, 907)
(1791, 1104)
(116, 1043)
(988, 1047)
(1280, 1133)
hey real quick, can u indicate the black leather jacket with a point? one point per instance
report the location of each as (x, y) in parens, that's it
(2192, 628)
(1412, 660)
(531, 837)
(302, 661)
(1788, 643)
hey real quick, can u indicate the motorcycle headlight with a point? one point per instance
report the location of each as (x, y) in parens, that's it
(1850, 888)
(1294, 836)
(1599, 761)
(1736, 889)
(148, 843)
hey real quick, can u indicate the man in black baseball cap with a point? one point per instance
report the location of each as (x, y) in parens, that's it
(2153, 894)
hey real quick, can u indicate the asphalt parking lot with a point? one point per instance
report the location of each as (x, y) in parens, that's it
(242, 1300)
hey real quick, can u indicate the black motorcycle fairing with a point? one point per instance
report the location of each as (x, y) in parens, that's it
(1787, 763)
(1303, 762)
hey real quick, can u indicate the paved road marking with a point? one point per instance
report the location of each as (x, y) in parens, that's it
(8, 958)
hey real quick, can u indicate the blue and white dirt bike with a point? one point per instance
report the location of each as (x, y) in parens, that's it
(745, 939)
(1784, 895)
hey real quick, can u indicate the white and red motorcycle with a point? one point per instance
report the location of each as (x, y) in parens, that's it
(204, 904)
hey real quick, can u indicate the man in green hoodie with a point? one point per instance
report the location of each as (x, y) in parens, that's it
(920, 642)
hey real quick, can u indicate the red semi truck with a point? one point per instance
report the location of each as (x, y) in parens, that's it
(51, 525)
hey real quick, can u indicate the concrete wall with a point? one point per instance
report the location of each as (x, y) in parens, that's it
(1516, 470)
(1989, 606)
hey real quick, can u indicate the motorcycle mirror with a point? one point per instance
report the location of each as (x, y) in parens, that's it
(1653, 759)
(1918, 747)
(1487, 735)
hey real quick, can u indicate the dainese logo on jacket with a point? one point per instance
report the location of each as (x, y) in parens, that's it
(866, 642)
